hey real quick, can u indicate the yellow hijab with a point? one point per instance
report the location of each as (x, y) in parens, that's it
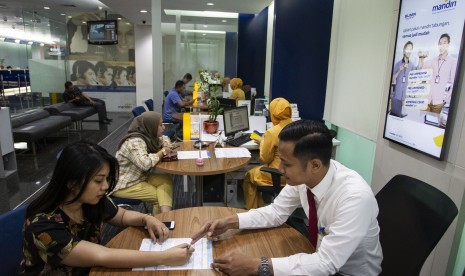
(235, 83)
(280, 109)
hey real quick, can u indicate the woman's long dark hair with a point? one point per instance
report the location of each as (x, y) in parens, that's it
(77, 165)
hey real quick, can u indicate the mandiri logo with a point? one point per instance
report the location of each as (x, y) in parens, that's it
(410, 15)
(447, 5)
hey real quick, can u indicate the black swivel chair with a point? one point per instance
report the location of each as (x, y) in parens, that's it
(274, 190)
(413, 216)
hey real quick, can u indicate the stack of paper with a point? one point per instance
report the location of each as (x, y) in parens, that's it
(232, 152)
(193, 154)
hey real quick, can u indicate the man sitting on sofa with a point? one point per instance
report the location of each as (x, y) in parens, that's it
(72, 94)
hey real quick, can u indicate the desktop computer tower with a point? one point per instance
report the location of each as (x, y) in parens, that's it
(213, 188)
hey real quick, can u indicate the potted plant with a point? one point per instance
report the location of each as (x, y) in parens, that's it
(214, 109)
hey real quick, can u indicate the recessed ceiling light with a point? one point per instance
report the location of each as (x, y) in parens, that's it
(69, 16)
(143, 11)
(46, 8)
(127, 23)
(84, 22)
(210, 4)
(100, 8)
(224, 20)
(204, 34)
(119, 18)
(62, 14)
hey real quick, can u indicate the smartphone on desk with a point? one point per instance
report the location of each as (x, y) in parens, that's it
(169, 224)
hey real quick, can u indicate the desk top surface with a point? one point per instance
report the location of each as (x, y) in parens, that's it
(273, 242)
(212, 165)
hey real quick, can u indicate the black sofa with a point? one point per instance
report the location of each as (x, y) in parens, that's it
(32, 126)
(76, 113)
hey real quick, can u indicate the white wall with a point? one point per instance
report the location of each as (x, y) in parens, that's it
(362, 45)
(143, 55)
(269, 49)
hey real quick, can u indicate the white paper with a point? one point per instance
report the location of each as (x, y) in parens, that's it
(200, 259)
(432, 118)
(193, 154)
(232, 152)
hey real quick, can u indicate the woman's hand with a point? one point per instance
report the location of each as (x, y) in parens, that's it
(156, 229)
(178, 255)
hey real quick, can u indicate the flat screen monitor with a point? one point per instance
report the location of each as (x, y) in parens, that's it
(103, 32)
(227, 103)
(425, 74)
(235, 120)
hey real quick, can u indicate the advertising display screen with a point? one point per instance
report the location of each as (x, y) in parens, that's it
(102, 32)
(425, 74)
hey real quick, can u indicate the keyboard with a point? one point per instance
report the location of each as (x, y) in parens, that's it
(238, 141)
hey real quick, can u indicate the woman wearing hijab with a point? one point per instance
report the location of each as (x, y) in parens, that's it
(237, 92)
(280, 112)
(138, 152)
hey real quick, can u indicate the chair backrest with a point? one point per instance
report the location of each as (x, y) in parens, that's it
(149, 104)
(413, 217)
(136, 111)
(11, 240)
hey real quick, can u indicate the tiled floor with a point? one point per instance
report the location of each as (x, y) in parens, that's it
(34, 173)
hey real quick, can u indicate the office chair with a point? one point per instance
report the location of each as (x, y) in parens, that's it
(136, 111)
(11, 240)
(149, 104)
(274, 190)
(130, 203)
(413, 216)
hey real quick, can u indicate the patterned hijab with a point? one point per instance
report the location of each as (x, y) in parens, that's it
(280, 109)
(235, 83)
(145, 126)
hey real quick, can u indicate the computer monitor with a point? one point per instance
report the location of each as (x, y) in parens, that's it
(227, 103)
(235, 120)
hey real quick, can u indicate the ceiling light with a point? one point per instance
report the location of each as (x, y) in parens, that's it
(203, 31)
(204, 34)
(62, 14)
(84, 22)
(224, 20)
(210, 4)
(202, 13)
(127, 23)
(69, 16)
(100, 8)
(119, 18)
(46, 8)
(205, 26)
(143, 11)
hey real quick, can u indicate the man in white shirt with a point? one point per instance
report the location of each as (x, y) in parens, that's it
(348, 235)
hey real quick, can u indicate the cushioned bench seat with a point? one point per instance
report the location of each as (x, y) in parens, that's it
(76, 113)
(35, 125)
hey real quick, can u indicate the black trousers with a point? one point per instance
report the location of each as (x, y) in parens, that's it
(101, 108)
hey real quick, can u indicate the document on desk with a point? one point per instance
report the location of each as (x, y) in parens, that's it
(193, 154)
(200, 259)
(232, 152)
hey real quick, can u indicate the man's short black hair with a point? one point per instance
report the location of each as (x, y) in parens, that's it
(187, 76)
(312, 140)
(178, 84)
(68, 84)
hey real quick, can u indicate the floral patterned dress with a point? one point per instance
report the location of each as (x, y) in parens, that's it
(49, 237)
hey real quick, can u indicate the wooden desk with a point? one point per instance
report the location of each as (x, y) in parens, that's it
(274, 242)
(212, 165)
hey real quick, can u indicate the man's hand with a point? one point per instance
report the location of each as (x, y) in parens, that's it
(92, 101)
(237, 264)
(214, 228)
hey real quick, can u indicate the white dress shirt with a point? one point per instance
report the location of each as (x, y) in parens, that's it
(348, 240)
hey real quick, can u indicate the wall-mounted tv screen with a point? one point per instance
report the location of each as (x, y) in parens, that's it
(102, 32)
(424, 75)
